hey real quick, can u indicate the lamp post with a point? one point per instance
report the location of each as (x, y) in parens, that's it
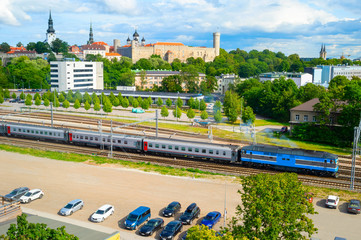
(225, 204)
(176, 107)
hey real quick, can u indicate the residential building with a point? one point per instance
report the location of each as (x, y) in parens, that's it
(110, 56)
(168, 51)
(74, 49)
(72, 75)
(224, 81)
(300, 79)
(147, 79)
(93, 49)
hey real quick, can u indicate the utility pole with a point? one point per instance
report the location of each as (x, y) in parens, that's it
(156, 123)
(51, 110)
(111, 138)
(355, 150)
(225, 204)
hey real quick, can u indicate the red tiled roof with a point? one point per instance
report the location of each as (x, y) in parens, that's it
(112, 54)
(169, 44)
(22, 48)
(93, 47)
(99, 43)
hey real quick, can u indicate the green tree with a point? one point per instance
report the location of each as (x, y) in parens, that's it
(273, 207)
(1, 99)
(56, 103)
(4, 47)
(70, 96)
(248, 116)
(125, 103)
(37, 101)
(191, 114)
(159, 102)
(96, 106)
(87, 97)
(231, 106)
(37, 95)
(135, 103)
(13, 95)
(130, 100)
(46, 102)
(196, 104)
(6, 93)
(177, 113)
(22, 95)
(179, 102)
(59, 45)
(28, 100)
(107, 106)
(145, 104)
(66, 103)
(77, 104)
(116, 102)
(203, 105)
(150, 101)
(204, 115)
(62, 98)
(218, 116)
(164, 112)
(217, 106)
(191, 102)
(168, 102)
(205, 233)
(86, 105)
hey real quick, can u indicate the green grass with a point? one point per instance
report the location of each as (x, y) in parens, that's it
(265, 122)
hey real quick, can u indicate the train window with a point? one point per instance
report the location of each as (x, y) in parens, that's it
(150, 144)
(176, 148)
(114, 141)
(170, 147)
(96, 139)
(157, 146)
(24, 130)
(46, 133)
(81, 137)
(163, 146)
(103, 139)
(32, 131)
(91, 138)
(183, 148)
(325, 161)
(189, 149)
(283, 159)
(41, 132)
(108, 140)
(125, 142)
(19, 129)
(217, 152)
(233, 154)
(203, 150)
(196, 149)
(119, 141)
(331, 161)
(37, 132)
(224, 153)
(86, 137)
(50, 133)
(210, 151)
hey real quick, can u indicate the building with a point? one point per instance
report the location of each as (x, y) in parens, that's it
(323, 74)
(96, 48)
(74, 49)
(168, 51)
(21, 51)
(147, 79)
(224, 81)
(91, 39)
(50, 33)
(111, 55)
(72, 75)
(323, 52)
(300, 79)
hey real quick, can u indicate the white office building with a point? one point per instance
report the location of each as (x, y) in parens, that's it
(323, 74)
(225, 80)
(72, 75)
(300, 79)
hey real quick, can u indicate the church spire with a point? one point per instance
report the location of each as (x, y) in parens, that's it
(50, 24)
(91, 39)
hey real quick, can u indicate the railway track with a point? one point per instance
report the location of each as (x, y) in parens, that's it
(228, 169)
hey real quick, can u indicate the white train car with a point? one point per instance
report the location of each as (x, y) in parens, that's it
(36, 132)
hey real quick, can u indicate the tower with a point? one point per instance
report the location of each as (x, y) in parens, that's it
(136, 36)
(116, 43)
(217, 42)
(91, 39)
(323, 52)
(143, 41)
(129, 41)
(50, 33)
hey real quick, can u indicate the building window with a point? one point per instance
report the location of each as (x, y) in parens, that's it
(297, 117)
(314, 119)
(305, 118)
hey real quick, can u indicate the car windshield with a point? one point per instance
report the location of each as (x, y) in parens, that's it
(132, 217)
(152, 223)
(331, 201)
(209, 217)
(100, 211)
(354, 205)
(14, 192)
(28, 194)
(171, 206)
(187, 214)
(69, 206)
(170, 227)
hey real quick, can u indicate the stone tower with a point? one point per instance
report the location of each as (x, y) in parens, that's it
(323, 52)
(116, 43)
(91, 39)
(217, 42)
(50, 33)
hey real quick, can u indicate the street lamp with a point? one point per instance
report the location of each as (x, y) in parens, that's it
(176, 107)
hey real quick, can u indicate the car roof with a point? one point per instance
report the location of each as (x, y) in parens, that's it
(140, 210)
(355, 201)
(75, 201)
(105, 206)
(191, 206)
(332, 197)
(34, 190)
(20, 188)
(174, 222)
(213, 213)
(173, 203)
(156, 219)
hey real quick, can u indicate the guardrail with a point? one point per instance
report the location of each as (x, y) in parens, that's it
(12, 208)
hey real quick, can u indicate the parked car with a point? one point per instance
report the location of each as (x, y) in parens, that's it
(13, 100)
(171, 209)
(354, 206)
(102, 213)
(171, 230)
(190, 214)
(71, 207)
(16, 194)
(137, 217)
(332, 201)
(31, 195)
(211, 219)
(151, 226)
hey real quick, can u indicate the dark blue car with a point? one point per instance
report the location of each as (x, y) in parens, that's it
(211, 219)
(171, 230)
(151, 226)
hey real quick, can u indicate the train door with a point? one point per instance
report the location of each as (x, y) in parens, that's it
(8, 130)
(145, 146)
(70, 137)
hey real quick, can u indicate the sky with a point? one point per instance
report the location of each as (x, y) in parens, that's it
(289, 26)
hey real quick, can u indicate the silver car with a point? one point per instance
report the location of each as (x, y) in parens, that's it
(71, 207)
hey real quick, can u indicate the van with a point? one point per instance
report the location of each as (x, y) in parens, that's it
(137, 217)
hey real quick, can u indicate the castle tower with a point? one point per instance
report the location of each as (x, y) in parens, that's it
(91, 39)
(136, 36)
(129, 41)
(217, 42)
(143, 41)
(50, 33)
(323, 52)
(116, 43)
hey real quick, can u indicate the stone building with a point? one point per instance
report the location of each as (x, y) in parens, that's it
(323, 52)
(168, 51)
(225, 80)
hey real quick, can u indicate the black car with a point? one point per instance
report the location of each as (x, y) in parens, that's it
(16, 194)
(190, 214)
(171, 230)
(354, 206)
(172, 208)
(152, 226)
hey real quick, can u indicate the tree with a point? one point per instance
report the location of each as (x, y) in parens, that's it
(4, 47)
(145, 104)
(77, 104)
(164, 112)
(116, 102)
(87, 97)
(66, 103)
(28, 100)
(231, 106)
(179, 102)
(1, 99)
(130, 100)
(46, 102)
(177, 113)
(125, 103)
(59, 45)
(96, 106)
(22, 95)
(13, 95)
(196, 104)
(7, 93)
(159, 102)
(191, 102)
(135, 103)
(203, 105)
(168, 102)
(205, 233)
(25, 230)
(273, 207)
(191, 114)
(204, 115)
(248, 116)
(217, 106)
(56, 102)
(69, 96)
(37, 101)
(62, 98)
(86, 105)
(218, 116)
(107, 106)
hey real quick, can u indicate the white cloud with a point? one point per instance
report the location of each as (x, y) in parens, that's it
(6, 14)
(127, 7)
(184, 38)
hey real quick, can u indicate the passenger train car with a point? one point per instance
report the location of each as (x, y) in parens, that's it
(280, 158)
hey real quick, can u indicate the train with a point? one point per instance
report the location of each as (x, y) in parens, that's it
(259, 156)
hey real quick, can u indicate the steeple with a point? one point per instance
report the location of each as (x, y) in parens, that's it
(323, 52)
(50, 24)
(91, 39)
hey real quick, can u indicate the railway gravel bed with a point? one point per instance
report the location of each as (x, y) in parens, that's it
(227, 169)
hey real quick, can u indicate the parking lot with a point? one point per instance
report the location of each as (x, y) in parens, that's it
(127, 189)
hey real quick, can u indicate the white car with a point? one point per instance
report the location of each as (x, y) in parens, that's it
(332, 201)
(32, 195)
(102, 213)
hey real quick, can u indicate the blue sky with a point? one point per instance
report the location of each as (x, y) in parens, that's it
(289, 26)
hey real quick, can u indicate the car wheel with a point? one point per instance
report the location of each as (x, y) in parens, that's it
(41, 196)
(71, 212)
(190, 222)
(135, 228)
(29, 200)
(81, 207)
(112, 212)
(103, 219)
